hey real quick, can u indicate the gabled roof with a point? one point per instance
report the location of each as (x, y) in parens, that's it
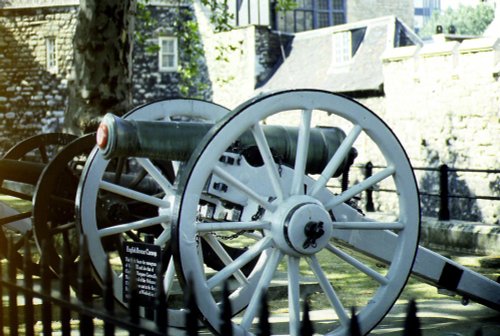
(311, 59)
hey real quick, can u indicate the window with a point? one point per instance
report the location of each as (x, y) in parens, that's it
(346, 44)
(311, 14)
(342, 47)
(168, 54)
(51, 54)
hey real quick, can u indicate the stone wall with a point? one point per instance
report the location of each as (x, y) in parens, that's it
(443, 102)
(32, 98)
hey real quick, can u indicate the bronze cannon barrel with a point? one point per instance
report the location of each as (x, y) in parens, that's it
(176, 141)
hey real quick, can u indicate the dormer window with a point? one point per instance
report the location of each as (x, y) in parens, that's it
(346, 44)
(342, 46)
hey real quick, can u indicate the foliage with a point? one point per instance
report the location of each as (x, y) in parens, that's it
(190, 45)
(286, 5)
(467, 20)
(220, 16)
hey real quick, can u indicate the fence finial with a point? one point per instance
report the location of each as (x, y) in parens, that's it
(264, 327)
(412, 323)
(354, 329)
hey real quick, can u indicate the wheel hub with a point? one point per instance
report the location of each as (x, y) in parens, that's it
(301, 226)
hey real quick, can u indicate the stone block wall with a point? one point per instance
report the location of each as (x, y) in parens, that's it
(443, 102)
(32, 98)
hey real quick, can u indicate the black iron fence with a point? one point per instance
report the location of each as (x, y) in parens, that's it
(445, 179)
(60, 303)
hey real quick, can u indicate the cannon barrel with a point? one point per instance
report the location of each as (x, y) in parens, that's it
(20, 171)
(175, 141)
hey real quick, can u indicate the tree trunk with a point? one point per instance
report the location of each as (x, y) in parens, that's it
(102, 68)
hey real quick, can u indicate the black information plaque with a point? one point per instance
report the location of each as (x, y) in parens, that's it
(147, 258)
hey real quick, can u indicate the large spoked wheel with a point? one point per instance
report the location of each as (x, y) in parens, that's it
(130, 199)
(54, 222)
(299, 228)
(37, 150)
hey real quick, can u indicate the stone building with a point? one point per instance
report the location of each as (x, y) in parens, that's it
(450, 89)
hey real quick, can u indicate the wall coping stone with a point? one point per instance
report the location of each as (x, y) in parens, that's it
(483, 44)
(439, 49)
(399, 54)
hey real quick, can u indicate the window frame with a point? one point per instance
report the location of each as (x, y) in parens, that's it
(342, 47)
(51, 63)
(161, 52)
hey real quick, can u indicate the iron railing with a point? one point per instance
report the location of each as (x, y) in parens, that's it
(59, 305)
(444, 193)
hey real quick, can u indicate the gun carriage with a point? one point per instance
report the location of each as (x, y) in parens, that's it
(236, 196)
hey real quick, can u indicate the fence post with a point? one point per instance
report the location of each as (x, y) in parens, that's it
(161, 304)
(84, 289)
(46, 276)
(109, 299)
(1, 296)
(412, 323)
(370, 207)
(65, 270)
(13, 318)
(226, 328)
(29, 311)
(133, 298)
(354, 329)
(264, 327)
(444, 211)
(191, 311)
(306, 327)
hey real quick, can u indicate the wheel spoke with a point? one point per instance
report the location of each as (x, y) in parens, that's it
(252, 252)
(122, 228)
(64, 227)
(263, 283)
(293, 295)
(267, 156)
(224, 257)
(368, 225)
(336, 160)
(329, 291)
(302, 152)
(231, 226)
(168, 280)
(357, 264)
(133, 194)
(157, 175)
(164, 236)
(228, 178)
(43, 153)
(15, 218)
(360, 187)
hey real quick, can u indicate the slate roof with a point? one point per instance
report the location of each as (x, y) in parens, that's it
(310, 60)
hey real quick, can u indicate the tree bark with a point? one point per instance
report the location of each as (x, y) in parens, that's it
(102, 69)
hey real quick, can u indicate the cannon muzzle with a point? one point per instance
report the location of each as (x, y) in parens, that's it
(176, 141)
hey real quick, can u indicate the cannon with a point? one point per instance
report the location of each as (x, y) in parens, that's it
(44, 171)
(196, 177)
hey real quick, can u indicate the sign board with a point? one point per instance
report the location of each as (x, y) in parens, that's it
(147, 259)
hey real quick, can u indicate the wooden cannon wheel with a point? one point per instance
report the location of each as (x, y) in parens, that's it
(128, 199)
(39, 149)
(305, 228)
(54, 222)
